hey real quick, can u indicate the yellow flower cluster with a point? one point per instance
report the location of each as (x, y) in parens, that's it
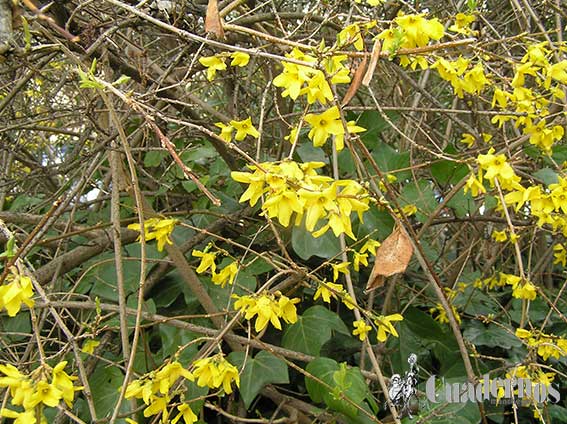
(158, 229)
(328, 123)
(353, 35)
(214, 372)
(408, 32)
(533, 374)
(243, 128)
(521, 288)
(439, 311)
(462, 24)
(292, 187)
(298, 80)
(217, 62)
(531, 98)
(155, 387)
(226, 275)
(548, 205)
(559, 254)
(44, 387)
(16, 290)
(547, 344)
(440, 315)
(462, 79)
(385, 326)
(267, 307)
(326, 291)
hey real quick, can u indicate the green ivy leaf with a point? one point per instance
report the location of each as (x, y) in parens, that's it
(105, 385)
(264, 369)
(344, 382)
(305, 245)
(312, 330)
(420, 195)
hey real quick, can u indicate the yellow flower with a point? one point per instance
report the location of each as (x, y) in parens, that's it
(359, 258)
(16, 291)
(474, 185)
(157, 405)
(327, 290)
(441, 315)
(521, 289)
(340, 268)
(350, 35)
(339, 73)
(156, 228)
(161, 232)
(323, 125)
(474, 81)
(294, 76)
(186, 413)
(255, 185)
(26, 417)
(499, 236)
(292, 137)
(288, 311)
(89, 346)
(267, 309)
(522, 333)
(45, 393)
(317, 203)
(418, 30)
(207, 261)
(239, 59)
(169, 374)
(64, 382)
(227, 275)
(557, 71)
(283, 205)
(370, 246)
(244, 128)
(361, 329)
(213, 64)
(559, 254)
(216, 371)
(526, 291)
(226, 131)
(468, 139)
(317, 89)
(385, 327)
(352, 128)
(462, 23)
(496, 166)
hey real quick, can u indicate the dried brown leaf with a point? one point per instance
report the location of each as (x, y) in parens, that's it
(392, 257)
(356, 81)
(213, 23)
(376, 49)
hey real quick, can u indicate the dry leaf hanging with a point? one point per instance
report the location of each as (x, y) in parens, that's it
(392, 257)
(355, 84)
(213, 22)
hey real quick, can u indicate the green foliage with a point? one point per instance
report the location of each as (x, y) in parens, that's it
(257, 372)
(344, 388)
(312, 330)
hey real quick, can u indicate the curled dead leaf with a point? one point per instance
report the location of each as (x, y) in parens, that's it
(355, 84)
(392, 257)
(376, 49)
(213, 23)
